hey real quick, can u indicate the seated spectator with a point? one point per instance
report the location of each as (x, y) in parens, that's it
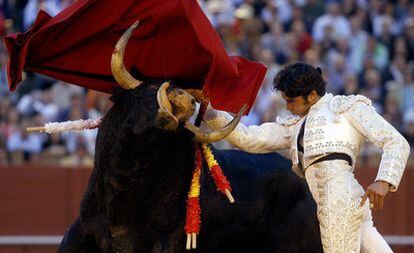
(395, 70)
(339, 25)
(28, 143)
(312, 10)
(350, 85)
(392, 112)
(98, 104)
(276, 41)
(409, 36)
(62, 93)
(76, 110)
(374, 90)
(408, 130)
(46, 107)
(407, 91)
(54, 145)
(372, 49)
(79, 159)
(303, 38)
(33, 6)
(358, 35)
(336, 73)
(10, 124)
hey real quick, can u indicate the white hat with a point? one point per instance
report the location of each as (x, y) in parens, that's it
(217, 6)
(244, 11)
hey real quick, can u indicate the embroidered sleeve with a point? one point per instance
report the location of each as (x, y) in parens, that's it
(394, 146)
(265, 138)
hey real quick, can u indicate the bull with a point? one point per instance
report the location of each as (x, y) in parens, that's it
(136, 197)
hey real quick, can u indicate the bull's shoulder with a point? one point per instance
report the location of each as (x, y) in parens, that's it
(289, 120)
(340, 104)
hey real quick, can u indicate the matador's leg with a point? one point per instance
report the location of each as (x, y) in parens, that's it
(372, 241)
(337, 194)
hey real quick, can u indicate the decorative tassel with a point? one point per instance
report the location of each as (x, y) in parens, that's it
(222, 184)
(193, 220)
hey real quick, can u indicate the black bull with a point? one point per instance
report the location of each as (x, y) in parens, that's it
(136, 197)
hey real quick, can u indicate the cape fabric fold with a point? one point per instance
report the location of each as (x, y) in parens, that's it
(174, 41)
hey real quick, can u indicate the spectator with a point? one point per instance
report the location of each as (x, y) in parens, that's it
(372, 49)
(22, 141)
(46, 107)
(350, 85)
(76, 110)
(336, 73)
(374, 90)
(392, 112)
(62, 93)
(409, 126)
(79, 159)
(33, 7)
(332, 22)
(396, 70)
(54, 145)
(386, 35)
(409, 36)
(302, 37)
(358, 35)
(276, 41)
(312, 10)
(219, 12)
(407, 89)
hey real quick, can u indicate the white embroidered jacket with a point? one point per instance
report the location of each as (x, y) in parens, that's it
(335, 124)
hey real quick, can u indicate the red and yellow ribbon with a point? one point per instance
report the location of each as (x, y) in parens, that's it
(193, 220)
(223, 185)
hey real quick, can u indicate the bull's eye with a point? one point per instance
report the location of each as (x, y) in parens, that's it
(180, 91)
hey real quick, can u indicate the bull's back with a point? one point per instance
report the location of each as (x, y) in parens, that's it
(273, 207)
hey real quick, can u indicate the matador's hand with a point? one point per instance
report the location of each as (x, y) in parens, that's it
(198, 95)
(376, 193)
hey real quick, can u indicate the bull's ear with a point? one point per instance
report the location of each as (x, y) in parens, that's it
(167, 121)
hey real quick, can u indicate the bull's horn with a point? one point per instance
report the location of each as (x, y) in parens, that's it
(121, 75)
(165, 111)
(200, 136)
(162, 98)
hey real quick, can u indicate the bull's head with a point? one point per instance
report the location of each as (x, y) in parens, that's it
(176, 105)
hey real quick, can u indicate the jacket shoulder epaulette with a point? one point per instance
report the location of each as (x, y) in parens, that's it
(340, 104)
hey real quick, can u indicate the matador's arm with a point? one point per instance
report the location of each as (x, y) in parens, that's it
(265, 138)
(377, 130)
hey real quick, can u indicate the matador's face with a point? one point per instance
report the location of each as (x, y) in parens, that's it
(297, 105)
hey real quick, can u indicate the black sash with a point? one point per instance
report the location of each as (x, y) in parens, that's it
(329, 157)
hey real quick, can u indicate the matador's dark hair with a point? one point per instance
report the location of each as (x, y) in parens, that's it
(299, 79)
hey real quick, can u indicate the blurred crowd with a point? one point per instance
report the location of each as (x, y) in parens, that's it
(362, 46)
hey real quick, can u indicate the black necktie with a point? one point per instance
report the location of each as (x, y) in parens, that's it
(300, 137)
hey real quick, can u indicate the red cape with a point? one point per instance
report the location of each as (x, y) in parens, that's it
(174, 41)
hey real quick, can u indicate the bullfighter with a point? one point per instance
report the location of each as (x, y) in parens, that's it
(324, 135)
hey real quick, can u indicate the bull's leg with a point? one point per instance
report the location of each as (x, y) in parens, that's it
(73, 241)
(121, 243)
(79, 239)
